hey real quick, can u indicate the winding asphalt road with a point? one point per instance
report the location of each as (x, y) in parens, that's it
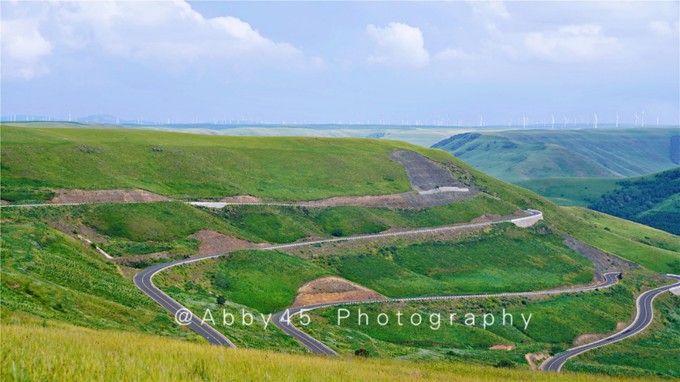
(643, 317)
(144, 281)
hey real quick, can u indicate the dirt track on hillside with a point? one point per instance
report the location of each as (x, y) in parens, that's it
(107, 196)
(214, 242)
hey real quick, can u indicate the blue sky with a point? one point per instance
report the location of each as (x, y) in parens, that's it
(345, 62)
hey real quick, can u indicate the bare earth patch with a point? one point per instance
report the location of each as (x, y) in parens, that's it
(333, 289)
(214, 242)
(241, 199)
(149, 256)
(404, 200)
(590, 337)
(107, 196)
(602, 261)
(502, 347)
(211, 243)
(534, 359)
(587, 338)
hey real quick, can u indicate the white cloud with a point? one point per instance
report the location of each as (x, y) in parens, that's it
(23, 48)
(170, 31)
(571, 43)
(452, 54)
(663, 27)
(490, 9)
(156, 32)
(398, 44)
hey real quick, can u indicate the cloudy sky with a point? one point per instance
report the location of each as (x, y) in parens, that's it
(350, 62)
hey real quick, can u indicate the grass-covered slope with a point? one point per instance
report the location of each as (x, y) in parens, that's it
(503, 259)
(48, 276)
(196, 166)
(533, 154)
(76, 354)
(649, 247)
(580, 192)
(298, 168)
(304, 169)
(556, 321)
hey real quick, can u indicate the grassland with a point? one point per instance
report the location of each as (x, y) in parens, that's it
(48, 276)
(199, 285)
(77, 354)
(266, 281)
(580, 192)
(516, 155)
(286, 224)
(36, 161)
(503, 259)
(124, 230)
(198, 166)
(137, 229)
(652, 248)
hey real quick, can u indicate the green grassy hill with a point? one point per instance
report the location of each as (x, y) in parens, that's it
(52, 279)
(580, 192)
(518, 155)
(197, 166)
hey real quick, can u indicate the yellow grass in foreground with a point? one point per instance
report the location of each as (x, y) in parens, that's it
(77, 354)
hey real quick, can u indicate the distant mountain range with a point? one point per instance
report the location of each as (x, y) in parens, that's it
(598, 169)
(517, 155)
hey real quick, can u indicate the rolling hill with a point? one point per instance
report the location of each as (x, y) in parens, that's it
(54, 279)
(517, 155)
(599, 169)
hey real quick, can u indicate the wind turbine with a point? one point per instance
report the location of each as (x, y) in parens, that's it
(617, 119)
(637, 118)
(642, 121)
(565, 121)
(524, 121)
(596, 120)
(553, 120)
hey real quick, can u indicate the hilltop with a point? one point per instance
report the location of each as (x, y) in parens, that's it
(516, 155)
